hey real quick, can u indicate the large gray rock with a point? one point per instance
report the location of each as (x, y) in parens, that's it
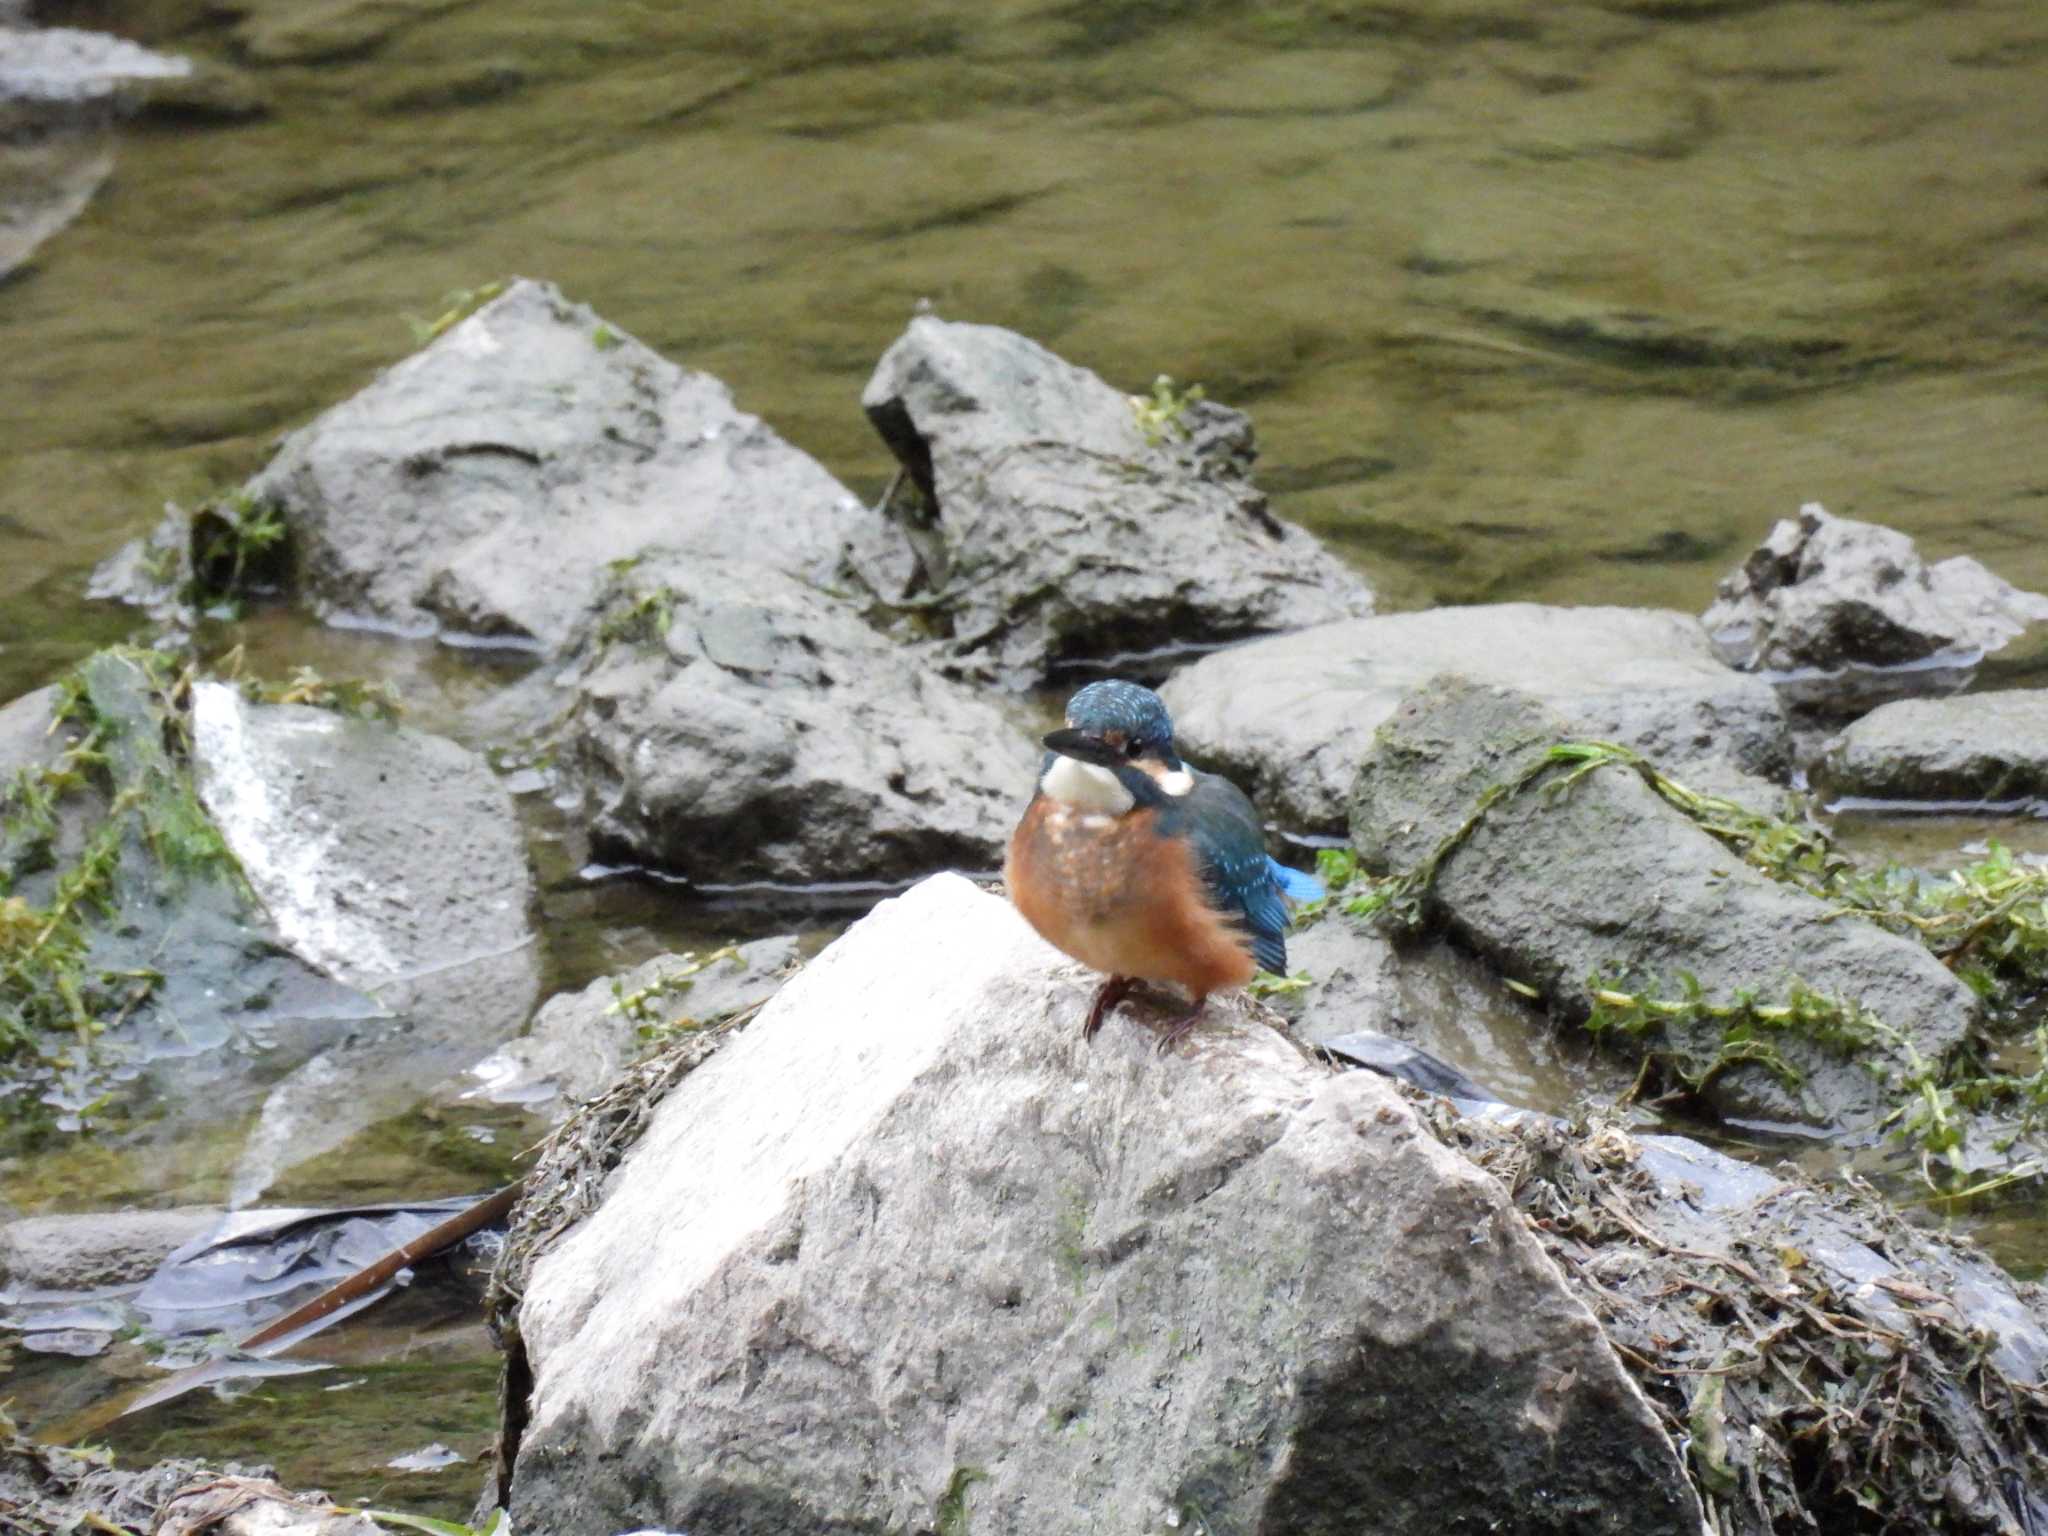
(580, 1041)
(909, 1254)
(1825, 593)
(1289, 718)
(393, 860)
(1054, 531)
(1979, 747)
(486, 485)
(1606, 879)
(731, 723)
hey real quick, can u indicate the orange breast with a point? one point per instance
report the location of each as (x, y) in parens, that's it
(1114, 894)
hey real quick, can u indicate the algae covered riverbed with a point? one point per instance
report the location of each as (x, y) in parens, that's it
(1563, 305)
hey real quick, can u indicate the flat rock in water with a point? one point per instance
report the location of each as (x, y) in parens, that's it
(394, 861)
(908, 1254)
(1825, 593)
(250, 1506)
(580, 1040)
(1290, 717)
(1054, 531)
(106, 1248)
(1979, 748)
(486, 486)
(733, 724)
(1606, 879)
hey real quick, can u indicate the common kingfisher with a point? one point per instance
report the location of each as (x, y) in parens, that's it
(1142, 867)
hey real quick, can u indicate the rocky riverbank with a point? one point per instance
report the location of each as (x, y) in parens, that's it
(885, 1247)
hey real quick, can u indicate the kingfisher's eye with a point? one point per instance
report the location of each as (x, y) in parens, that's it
(1135, 748)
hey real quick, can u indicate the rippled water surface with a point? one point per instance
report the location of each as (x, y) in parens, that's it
(1562, 302)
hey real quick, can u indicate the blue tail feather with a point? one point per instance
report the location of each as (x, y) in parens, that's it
(1298, 884)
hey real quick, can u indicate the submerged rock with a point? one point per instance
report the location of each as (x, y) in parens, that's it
(394, 861)
(86, 1252)
(733, 724)
(1289, 718)
(1829, 594)
(25, 729)
(63, 65)
(1605, 879)
(1979, 748)
(1054, 531)
(149, 927)
(580, 1041)
(486, 487)
(907, 1253)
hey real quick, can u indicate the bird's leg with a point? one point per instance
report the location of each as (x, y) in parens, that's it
(1112, 992)
(1177, 1029)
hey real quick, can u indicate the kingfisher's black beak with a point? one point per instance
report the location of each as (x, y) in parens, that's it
(1085, 747)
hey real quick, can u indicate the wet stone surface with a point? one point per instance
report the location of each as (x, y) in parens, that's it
(732, 724)
(1988, 749)
(1054, 525)
(1606, 881)
(580, 1040)
(1290, 718)
(1858, 605)
(393, 859)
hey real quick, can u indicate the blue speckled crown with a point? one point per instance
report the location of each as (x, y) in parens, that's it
(1115, 705)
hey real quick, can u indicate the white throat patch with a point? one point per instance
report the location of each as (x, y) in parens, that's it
(1086, 787)
(1177, 782)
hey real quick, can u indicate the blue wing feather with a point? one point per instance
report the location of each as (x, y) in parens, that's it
(1244, 883)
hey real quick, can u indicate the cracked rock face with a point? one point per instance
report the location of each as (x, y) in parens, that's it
(1055, 530)
(731, 723)
(1827, 593)
(907, 1251)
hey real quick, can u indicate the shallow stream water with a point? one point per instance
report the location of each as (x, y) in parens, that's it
(1563, 303)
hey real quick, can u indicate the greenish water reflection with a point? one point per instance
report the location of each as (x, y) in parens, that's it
(1562, 302)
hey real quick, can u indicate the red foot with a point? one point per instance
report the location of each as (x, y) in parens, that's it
(1178, 1029)
(1113, 991)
